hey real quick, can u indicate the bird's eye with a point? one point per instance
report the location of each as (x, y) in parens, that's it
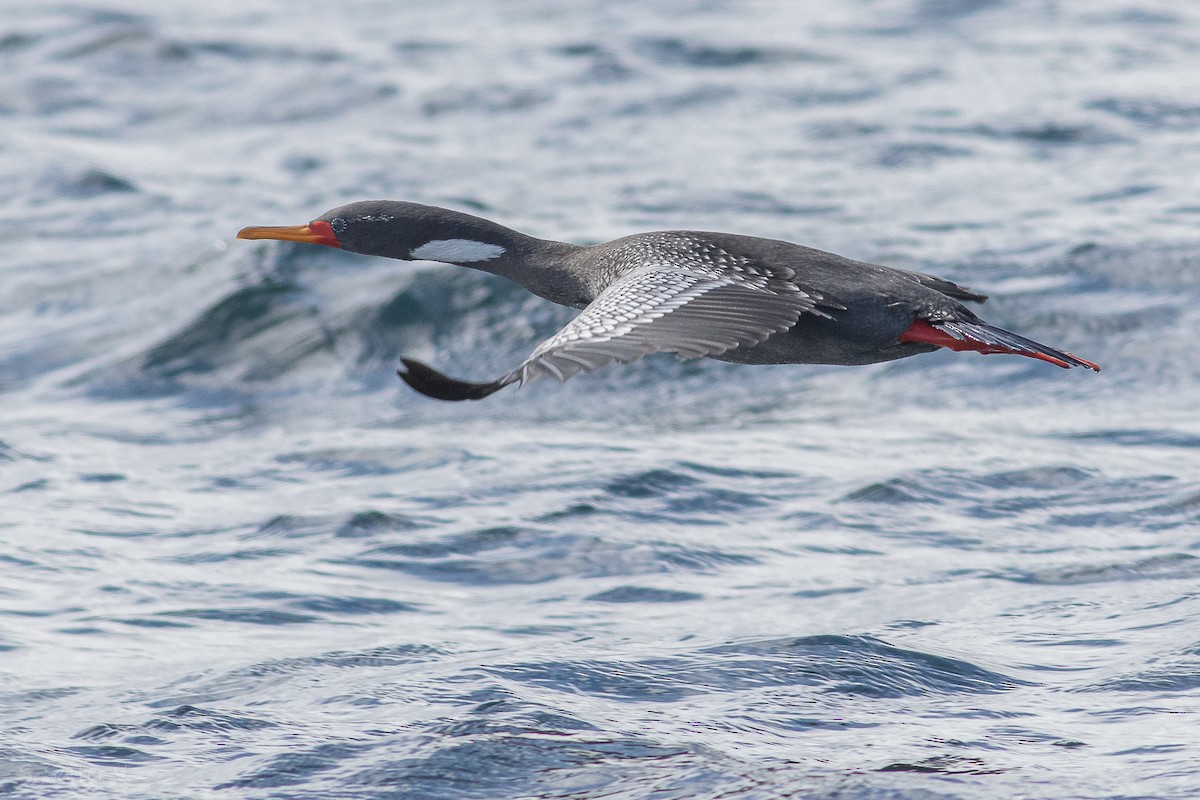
(338, 224)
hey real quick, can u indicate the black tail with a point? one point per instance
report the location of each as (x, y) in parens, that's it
(998, 337)
(980, 337)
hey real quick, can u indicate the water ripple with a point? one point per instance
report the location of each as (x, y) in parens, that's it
(1172, 566)
(852, 665)
(517, 555)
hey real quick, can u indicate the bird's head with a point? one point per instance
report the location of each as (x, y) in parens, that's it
(408, 231)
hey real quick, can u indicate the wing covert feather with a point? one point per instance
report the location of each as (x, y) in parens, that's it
(660, 308)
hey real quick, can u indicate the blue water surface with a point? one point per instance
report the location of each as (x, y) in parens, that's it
(241, 560)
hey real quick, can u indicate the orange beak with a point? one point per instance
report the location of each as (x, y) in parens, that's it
(318, 232)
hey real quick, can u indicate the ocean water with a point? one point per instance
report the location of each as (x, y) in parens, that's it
(241, 560)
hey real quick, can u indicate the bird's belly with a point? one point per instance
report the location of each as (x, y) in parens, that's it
(816, 340)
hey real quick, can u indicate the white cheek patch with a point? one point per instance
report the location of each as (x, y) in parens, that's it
(457, 251)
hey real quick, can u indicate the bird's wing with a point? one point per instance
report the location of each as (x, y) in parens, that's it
(948, 288)
(651, 308)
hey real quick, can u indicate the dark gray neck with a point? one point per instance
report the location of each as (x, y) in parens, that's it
(416, 232)
(541, 266)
